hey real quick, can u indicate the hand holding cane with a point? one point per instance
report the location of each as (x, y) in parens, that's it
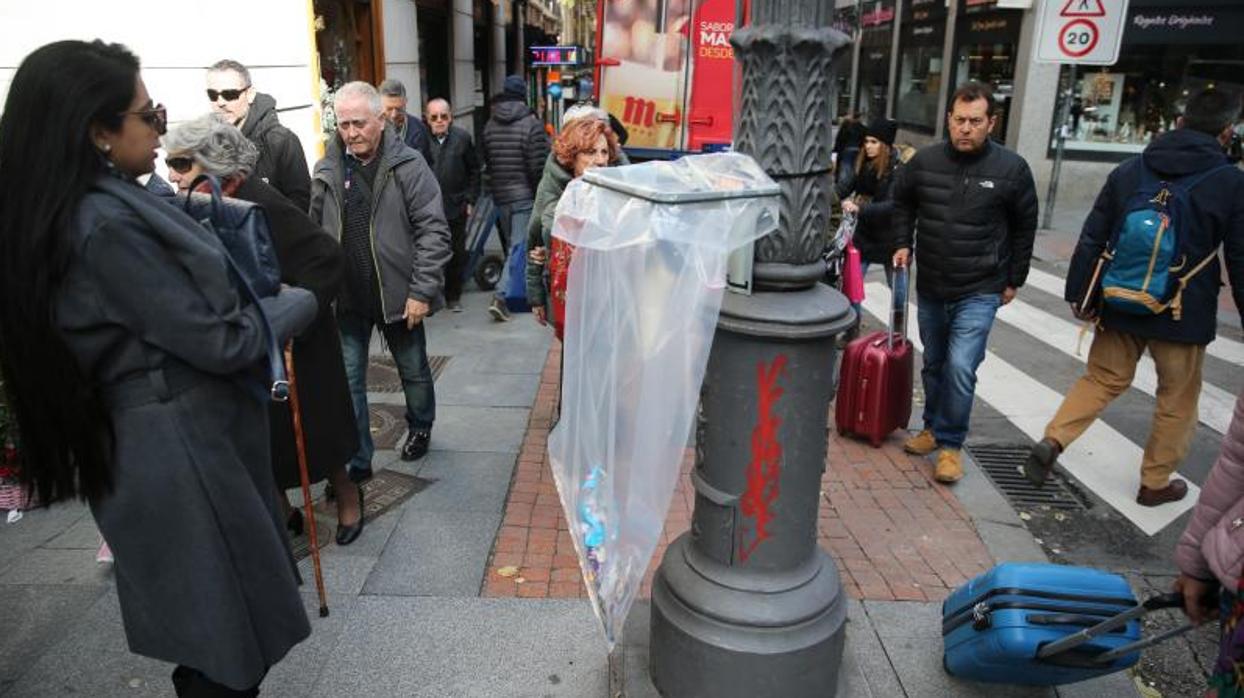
(305, 479)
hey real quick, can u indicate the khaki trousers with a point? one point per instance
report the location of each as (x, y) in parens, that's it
(1111, 366)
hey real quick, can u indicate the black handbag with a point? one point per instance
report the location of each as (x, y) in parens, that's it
(242, 227)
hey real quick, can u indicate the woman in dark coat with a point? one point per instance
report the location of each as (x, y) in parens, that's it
(868, 195)
(309, 258)
(130, 357)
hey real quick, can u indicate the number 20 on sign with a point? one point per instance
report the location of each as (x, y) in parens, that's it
(1086, 32)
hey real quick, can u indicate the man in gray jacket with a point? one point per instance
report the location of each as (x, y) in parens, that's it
(380, 199)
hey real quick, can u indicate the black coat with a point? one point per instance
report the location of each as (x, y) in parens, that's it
(873, 230)
(456, 165)
(515, 146)
(1216, 217)
(850, 135)
(282, 164)
(973, 217)
(309, 258)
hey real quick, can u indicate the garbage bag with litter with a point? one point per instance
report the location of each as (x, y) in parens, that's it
(643, 293)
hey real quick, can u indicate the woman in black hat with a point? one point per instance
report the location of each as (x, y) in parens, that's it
(868, 194)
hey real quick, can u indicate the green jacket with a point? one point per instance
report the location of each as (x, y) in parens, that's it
(540, 227)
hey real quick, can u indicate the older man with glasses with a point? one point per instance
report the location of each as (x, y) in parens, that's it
(282, 162)
(457, 168)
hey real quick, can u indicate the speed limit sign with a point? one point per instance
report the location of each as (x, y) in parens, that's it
(1078, 38)
(1080, 31)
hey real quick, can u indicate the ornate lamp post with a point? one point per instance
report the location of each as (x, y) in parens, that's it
(746, 603)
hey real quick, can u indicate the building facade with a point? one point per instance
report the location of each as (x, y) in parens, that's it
(1170, 48)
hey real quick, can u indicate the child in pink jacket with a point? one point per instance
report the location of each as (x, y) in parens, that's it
(1210, 555)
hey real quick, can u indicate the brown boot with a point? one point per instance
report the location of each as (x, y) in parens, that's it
(949, 466)
(1177, 490)
(921, 444)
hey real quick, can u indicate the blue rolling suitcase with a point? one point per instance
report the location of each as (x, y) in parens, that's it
(1045, 625)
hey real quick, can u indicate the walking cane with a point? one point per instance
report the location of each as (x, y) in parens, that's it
(305, 478)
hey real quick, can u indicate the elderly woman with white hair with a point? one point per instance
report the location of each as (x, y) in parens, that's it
(311, 259)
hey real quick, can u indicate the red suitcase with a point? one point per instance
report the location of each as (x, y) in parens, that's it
(874, 388)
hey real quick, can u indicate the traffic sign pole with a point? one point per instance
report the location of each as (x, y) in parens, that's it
(1064, 115)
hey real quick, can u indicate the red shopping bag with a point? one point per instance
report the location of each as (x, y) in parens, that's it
(559, 269)
(853, 275)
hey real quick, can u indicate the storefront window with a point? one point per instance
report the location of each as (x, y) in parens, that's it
(1166, 56)
(920, 65)
(876, 44)
(987, 44)
(846, 20)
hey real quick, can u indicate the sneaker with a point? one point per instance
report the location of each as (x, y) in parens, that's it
(949, 467)
(499, 312)
(921, 444)
(455, 307)
(1177, 490)
(1041, 461)
(416, 445)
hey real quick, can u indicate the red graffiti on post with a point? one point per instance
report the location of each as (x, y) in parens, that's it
(766, 465)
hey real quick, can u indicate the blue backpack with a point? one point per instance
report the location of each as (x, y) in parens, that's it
(1146, 265)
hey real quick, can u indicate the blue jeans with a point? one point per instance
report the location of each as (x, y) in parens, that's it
(410, 353)
(513, 222)
(954, 334)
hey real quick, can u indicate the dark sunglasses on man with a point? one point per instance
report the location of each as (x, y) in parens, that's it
(438, 117)
(156, 117)
(229, 95)
(180, 164)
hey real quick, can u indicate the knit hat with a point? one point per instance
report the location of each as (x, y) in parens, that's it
(883, 130)
(514, 86)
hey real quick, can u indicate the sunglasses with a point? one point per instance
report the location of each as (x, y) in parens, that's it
(156, 117)
(438, 117)
(229, 95)
(180, 164)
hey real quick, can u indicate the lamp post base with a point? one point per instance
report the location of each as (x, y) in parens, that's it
(722, 633)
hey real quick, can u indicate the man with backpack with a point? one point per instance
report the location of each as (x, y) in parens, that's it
(1146, 271)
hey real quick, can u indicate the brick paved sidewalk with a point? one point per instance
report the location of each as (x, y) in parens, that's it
(894, 532)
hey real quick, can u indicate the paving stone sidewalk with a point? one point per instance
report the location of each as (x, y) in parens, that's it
(895, 533)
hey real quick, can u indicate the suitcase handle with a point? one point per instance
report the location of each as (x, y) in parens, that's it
(1153, 603)
(898, 308)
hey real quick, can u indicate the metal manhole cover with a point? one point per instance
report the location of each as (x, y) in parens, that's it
(388, 423)
(1004, 466)
(382, 375)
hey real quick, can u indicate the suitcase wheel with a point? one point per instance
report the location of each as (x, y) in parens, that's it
(488, 273)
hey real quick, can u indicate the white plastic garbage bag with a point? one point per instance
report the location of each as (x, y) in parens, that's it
(643, 293)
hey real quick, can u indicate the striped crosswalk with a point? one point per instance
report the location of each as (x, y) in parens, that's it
(1107, 457)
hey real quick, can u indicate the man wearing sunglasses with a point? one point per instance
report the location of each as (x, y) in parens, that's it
(457, 167)
(282, 162)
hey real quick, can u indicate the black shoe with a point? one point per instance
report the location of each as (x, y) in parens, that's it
(1177, 490)
(416, 445)
(294, 522)
(499, 312)
(1041, 461)
(359, 475)
(348, 534)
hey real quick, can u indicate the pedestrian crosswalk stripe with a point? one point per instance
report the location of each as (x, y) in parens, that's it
(1102, 459)
(1216, 405)
(1222, 347)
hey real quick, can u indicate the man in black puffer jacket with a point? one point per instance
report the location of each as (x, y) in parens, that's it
(515, 147)
(1212, 218)
(972, 207)
(282, 162)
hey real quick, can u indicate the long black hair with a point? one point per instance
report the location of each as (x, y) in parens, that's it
(47, 164)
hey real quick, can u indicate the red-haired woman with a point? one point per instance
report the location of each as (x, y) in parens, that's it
(583, 143)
